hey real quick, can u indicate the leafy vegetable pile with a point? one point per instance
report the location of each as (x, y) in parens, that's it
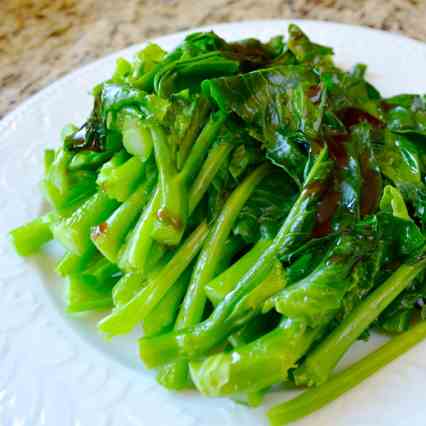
(256, 208)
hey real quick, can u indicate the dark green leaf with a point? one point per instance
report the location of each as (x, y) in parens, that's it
(265, 210)
(282, 107)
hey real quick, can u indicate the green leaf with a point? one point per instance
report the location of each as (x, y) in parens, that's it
(406, 114)
(266, 208)
(317, 298)
(278, 108)
(399, 159)
(305, 50)
(392, 201)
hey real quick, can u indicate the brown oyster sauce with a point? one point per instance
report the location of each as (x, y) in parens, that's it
(330, 198)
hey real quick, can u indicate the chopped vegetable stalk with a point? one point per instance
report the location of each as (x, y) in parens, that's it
(84, 295)
(176, 374)
(218, 288)
(108, 236)
(48, 158)
(29, 238)
(103, 270)
(313, 399)
(214, 161)
(72, 263)
(126, 288)
(88, 160)
(91, 289)
(171, 217)
(109, 168)
(250, 304)
(198, 119)
(137, 138)
(259, 364)
(251, 399)
(136, 251)
(74, 232)
(64, 189)
(134, 254)
(313, 301)
(201, 146)
(120, 181)
(124, 318)
(172, 214)
(131, 282)
(163, 316)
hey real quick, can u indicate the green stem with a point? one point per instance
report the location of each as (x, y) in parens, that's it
(84, 295)
(193, 305)
(313, 399)
(219, 287)
(137, 249)
(176, 374)
(163, 316)
(109, 235)
(91, 289)
(197, 121)
(88, 160)
(194, 341)
(126, 288)
(172, 215)
(320, 363)
(64, 189)
(251, 304)
(72, 263)
(29, 238)
(201, 145)
(216, 157)
(102, 270)
(74, 232)
(124, 318)
(252, 367)
(137, 139)
(319, 295)
(173, 212)
(129, 285)
(134, 254)
(120, 181)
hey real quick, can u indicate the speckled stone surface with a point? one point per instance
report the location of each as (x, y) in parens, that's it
(41, 40)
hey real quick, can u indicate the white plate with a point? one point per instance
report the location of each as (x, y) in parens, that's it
(55, 370)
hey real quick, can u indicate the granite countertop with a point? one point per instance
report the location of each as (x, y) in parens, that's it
(41, 40)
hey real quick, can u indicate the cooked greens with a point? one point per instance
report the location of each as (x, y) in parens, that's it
(255, 207)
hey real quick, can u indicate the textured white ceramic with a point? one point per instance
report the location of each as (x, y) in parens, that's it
(55, 370)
